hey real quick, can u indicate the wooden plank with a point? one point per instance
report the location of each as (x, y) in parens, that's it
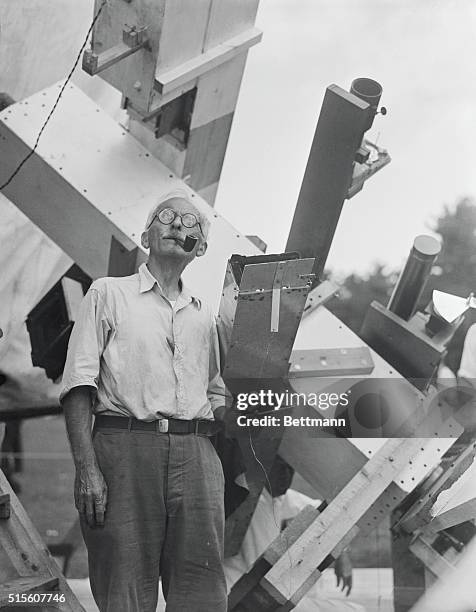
(332, 333)
(320, 295)
(248, 594)
(81, 193)
(94, 63)
(217, 90)
(408, 349)
(342, 122)
(326, 463)
(436, 563)
(206, 152)
(455, 516)
(183, 31)
(331, 362)
(27, 552)
(169, 80)
(228, 18)
(139, 67)
(217, 95)
(339, 517)
(209, 194)
(255, 358)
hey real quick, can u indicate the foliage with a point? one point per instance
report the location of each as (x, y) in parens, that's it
(358, 292)
(454, 272)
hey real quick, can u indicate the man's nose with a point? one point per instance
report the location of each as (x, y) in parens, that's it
(177, 222)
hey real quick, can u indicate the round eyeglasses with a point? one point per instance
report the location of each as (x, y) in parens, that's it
(168, 216)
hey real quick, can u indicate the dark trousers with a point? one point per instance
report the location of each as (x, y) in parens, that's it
(164, 513)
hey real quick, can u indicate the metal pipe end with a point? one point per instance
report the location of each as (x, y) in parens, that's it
(368, 90)
(427, 247)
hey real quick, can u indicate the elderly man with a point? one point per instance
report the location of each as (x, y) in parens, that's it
(143, 357)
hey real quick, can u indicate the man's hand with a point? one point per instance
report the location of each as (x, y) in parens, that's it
(343, 572)
(90, 490)
(90, 495)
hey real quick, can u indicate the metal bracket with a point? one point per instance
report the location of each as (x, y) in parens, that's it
(320, 295)
(133, 39)
(276, 295)
(366, 166)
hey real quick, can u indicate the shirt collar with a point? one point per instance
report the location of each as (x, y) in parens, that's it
(147, 281)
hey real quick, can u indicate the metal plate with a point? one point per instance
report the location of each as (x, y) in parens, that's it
(255, 350)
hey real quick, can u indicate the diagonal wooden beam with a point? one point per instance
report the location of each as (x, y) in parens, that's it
(337, 524)
(455, 516)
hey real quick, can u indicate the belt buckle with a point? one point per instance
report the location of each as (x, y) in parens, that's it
(163, 425)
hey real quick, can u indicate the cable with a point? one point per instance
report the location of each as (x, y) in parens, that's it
(280, 532)
(267, 478)
(68, 78)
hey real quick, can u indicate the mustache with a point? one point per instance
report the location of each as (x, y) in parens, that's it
(187, 244)
(175, 237)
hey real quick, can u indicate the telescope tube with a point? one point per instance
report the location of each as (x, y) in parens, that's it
(370, 91)
(404, 299)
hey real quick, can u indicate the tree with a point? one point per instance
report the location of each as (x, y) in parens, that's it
(454, 272)
(455, 269)
(358, 292)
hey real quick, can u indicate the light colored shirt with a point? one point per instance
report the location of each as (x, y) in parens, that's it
(145, 357)
(467, 367)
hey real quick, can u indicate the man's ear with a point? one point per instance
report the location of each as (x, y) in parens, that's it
(202, 249)
(144, 239)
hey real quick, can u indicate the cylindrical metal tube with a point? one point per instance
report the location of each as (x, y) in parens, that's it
(412, 280)
(370, 91)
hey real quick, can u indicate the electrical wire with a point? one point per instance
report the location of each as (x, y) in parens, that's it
(68, 78)
(278, 526)
(266, 476)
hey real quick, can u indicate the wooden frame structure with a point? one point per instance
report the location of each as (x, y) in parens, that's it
(27, 567)
(101, 211)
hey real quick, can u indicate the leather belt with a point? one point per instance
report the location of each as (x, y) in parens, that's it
(199, 427)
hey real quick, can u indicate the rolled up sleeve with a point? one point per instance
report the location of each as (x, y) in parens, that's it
(218, 394)
(87, 341)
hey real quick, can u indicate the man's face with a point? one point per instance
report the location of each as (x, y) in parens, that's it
(167, 240)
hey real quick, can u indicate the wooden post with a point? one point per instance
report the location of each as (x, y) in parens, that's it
(341, 126)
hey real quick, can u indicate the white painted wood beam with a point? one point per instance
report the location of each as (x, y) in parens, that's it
(169, 80)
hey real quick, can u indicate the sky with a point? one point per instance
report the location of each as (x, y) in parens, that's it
(422, 53)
